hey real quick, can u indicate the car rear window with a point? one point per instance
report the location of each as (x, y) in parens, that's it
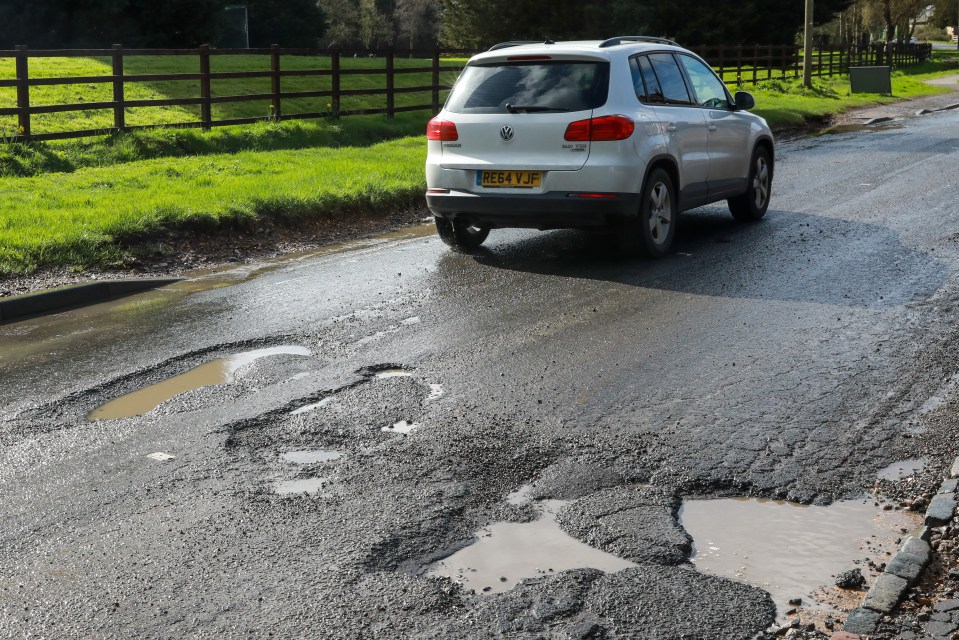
(530, 87)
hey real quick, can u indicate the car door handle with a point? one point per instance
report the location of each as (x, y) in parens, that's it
(713, 127)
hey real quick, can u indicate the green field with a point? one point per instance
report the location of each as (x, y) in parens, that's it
(90, 202)
(139, 65)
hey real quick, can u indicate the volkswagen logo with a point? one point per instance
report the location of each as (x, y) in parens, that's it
(506, 133)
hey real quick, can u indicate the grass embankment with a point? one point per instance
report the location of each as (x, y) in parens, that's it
(87, 216)
(87, 202)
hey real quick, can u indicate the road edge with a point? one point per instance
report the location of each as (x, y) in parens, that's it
(17, 308)
(905, 568)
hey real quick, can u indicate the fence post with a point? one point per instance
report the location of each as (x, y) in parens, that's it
(335, 83)
(436, 81)
(755, 62)
(206, 111)
(23, 93)
(722, 62)
(275, 78)
(119, 114)
(390, 85)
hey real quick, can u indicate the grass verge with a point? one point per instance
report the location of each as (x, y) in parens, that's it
(91, 215)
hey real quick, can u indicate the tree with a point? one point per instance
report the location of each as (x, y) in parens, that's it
(375, 28)
(342, 22)
(289, 23)
(417, 22)
(476, 23)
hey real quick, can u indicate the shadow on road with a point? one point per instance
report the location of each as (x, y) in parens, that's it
(788, 256)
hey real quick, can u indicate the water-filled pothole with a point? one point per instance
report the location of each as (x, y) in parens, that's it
(219, 371)
(294, 487)
(393, 373)
(404, 427)
(311, 457)
(790, 550)
(902, 469)
(311, 407)
(861, 127)
(508, 552)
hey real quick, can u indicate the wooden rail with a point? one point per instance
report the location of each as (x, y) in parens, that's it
(432, 64)
(735, 64)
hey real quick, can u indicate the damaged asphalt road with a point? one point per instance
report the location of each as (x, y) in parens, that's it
(786, 359)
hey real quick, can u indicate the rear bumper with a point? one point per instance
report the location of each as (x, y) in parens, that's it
(540, 211)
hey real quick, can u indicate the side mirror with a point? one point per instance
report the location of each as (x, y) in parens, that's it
(744, 101)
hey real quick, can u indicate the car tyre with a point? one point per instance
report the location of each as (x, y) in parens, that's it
(652, 234)
(460, 236)
(753, 204)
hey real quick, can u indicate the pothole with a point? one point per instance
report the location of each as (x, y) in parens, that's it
(791, 550)
(862, 127)
(393, 373)
(404, 427)
(308, 486)
(508, 552)
(902, 469)
(311, 407)
(219, 371)
(311, 457)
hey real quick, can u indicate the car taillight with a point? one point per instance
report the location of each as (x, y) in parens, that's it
(603, 129)
(442, 130)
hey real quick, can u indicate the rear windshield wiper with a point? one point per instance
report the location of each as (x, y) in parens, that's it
(519, 108)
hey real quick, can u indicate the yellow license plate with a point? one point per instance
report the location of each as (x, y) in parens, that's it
(512, 179)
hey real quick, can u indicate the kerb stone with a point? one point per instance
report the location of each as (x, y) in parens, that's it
(860, 621)
(940, 511)
(885, 593)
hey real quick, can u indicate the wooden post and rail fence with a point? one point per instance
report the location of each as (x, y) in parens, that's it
(737, 65)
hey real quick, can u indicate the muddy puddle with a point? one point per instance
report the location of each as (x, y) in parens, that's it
(219, 371)
(308, 486)
(393, 373)
(790, 550)
(507, 552)
(311, 457)
(404, 427)
(311, 407)
(903, 469)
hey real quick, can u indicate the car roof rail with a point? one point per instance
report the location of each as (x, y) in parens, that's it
(515, 43)
(613, 42)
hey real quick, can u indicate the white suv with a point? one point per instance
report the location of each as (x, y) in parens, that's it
(626, 133)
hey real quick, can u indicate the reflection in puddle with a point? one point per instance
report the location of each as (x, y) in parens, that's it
(393, 373)
(402, 426)
(311, 457)
(291, 487)
(903, 469)
(508, 552)
(219, 371)
(311, 407)
(787, 549)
